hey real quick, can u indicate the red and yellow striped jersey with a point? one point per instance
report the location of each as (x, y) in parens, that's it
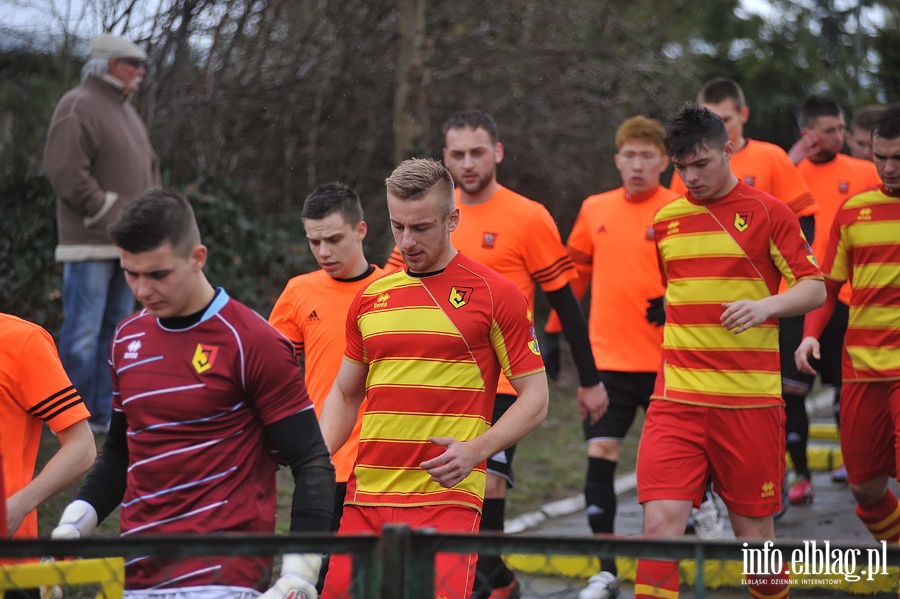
(864, 249)
(518, 238)
(434, 346)
(734, 248)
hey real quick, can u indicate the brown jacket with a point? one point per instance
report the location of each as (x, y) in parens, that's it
(98, 157)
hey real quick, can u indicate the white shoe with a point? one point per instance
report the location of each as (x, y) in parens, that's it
(602, 585)
(707, 523)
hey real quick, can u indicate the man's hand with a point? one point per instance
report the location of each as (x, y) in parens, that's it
(741, 315)
(803, 147)
(550, 353)
(451, 467)
(592, 402)
(656, 310)
(79, 520)
(299, 572)
(809, 346)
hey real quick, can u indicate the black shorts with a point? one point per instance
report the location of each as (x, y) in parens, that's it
(627, 391)
(831, 342)
(501, 462)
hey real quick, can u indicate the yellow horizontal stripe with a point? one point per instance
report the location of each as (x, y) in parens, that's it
(397, 280)
(705, 245)
(875, 275)
(875, 317)
(417, 427)
(874, 358)
(714, 290)
(882, 523)
(412, 481)
(406, 320)
(652, 591)
(678, 209)
(426, 374)
(865, 233)
(869, 198)
(716, 336)
(729, 382)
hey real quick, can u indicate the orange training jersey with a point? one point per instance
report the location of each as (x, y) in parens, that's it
(831, 183)
(434, 347)
(864, 248)
(734, 248)
(768, 168)
(34, 389)
(612, 246)
(518, 238)
(312, 313)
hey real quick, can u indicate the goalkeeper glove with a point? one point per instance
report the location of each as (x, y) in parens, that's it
(78, 521)
(299, 572)
(656, 311)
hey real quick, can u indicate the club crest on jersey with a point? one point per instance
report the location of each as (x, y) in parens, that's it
(133, 348)
(488, 240)
(844, 186)
(382, 299)
(204, 357)
(460, 296)
(742, 221)
(750, 180)
(649, 235)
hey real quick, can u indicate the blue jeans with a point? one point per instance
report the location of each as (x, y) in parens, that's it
(95, 299)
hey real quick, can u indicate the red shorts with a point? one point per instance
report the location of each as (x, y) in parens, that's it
(454, 572)
(870, 429)
(742, 450)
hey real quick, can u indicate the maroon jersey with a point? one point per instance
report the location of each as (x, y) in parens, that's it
(196, 401)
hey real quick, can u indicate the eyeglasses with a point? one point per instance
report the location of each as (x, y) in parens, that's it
(132, 62)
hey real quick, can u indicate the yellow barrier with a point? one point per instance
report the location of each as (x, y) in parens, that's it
(109, 572)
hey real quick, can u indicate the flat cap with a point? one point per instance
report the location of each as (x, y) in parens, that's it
(107, 45)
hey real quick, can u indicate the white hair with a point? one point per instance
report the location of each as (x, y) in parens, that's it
(94, 67)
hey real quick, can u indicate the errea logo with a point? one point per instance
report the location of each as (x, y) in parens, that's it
(133, 349)
(767, 490)
(865, 214)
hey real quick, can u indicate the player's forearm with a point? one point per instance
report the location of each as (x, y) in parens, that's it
(71, 461)
(576, 331)
(526, 413)
(338, 417)
(804, 296)
(816, 320)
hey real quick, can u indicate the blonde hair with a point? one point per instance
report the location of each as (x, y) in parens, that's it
(418, 178)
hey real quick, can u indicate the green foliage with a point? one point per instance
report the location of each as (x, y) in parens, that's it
(251, 257)
(30, 280)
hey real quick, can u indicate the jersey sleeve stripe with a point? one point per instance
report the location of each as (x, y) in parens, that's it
(554, 270)
(46, 411)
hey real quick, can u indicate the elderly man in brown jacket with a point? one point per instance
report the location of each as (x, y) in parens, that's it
(98, 157)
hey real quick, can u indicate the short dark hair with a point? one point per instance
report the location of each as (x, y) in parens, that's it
(693, 129)
(417, 178)
(816, 106)
(329, 198)
(154, 218)
(716, 91)
(888, 124)
(473, 119)
(866, 117)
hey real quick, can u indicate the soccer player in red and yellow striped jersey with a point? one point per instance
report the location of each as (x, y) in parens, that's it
(312, 309)
(425, 346)
(717, 410)
(864, 250)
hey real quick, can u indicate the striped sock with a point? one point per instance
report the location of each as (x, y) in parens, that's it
(656, 579)
(882, 517)
(773, 586)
